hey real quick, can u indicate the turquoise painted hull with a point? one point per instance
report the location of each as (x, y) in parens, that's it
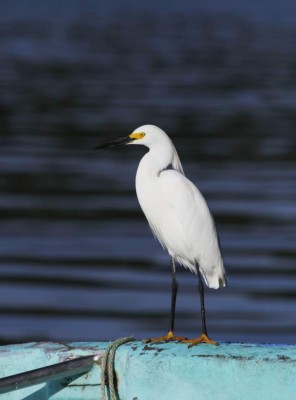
(160, 371)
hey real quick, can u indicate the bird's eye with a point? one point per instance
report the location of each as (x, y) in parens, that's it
(137, 135)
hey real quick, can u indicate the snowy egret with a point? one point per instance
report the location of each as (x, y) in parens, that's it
(178, 216)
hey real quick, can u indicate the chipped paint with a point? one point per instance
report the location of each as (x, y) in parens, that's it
(159, 371)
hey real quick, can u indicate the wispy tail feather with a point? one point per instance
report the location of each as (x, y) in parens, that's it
(214, 281)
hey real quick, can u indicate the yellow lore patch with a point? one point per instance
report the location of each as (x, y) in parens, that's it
(137, 135)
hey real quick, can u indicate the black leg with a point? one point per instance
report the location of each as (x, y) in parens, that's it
(171, 335)
(174, 296)
(203, 338)
(202, 302)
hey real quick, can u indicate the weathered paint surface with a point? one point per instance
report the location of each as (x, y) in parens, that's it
(228, 372)
(19, 358)
(162, 371)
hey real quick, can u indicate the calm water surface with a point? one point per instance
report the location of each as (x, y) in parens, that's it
(77, 259)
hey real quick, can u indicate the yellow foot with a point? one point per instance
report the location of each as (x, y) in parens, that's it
(170, 337)
(201, 339)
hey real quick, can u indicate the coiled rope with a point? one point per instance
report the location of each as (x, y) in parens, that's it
(107, 368)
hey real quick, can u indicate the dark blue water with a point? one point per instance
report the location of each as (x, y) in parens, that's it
(77, 259)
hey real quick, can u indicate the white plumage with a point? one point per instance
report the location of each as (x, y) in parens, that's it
(179, 218)
(175, 209)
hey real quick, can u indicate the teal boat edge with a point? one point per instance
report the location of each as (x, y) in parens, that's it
(159, 371)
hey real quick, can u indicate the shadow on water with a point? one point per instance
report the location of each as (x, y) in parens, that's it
(77, 260)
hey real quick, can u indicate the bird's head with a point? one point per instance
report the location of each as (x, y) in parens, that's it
(146, 135)
(154, 138)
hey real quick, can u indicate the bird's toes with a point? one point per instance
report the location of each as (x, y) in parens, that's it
(170, 337)
(201, 339)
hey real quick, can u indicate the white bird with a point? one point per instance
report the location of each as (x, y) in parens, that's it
(178, 216)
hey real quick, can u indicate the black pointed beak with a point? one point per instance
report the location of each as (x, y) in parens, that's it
(115, 142)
